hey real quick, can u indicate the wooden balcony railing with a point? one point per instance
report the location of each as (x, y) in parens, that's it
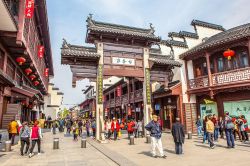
(232, 76)
(199, 82)
(118, 101)
(138, 95)
(222, 78)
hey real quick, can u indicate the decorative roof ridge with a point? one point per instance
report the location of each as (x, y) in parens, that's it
(174, 34)
(156, 55)
(189, 34)
(92, 23)
(174, 43)
(207, 24)
(66, 45)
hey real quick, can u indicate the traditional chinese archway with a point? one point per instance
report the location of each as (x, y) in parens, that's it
(119, 51)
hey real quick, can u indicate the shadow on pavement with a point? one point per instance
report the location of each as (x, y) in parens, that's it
(203, 146)
(146, 153)
(170, 151)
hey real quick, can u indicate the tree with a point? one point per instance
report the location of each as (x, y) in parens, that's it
(65, 112)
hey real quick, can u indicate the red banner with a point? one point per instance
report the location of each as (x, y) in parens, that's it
(46, 72)
(40, 51)
(29, 8)
(119, 90)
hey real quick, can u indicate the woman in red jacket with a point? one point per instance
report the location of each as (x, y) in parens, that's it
(115, 127)
(130, 128)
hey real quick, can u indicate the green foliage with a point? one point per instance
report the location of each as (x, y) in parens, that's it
(65, 112)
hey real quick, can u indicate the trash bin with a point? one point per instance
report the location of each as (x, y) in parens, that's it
(56, 143)
(189, 135)
(83, 143)
(148, 139)
(7, 146)
(132, 140)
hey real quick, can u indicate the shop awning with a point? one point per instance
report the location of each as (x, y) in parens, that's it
(23, 91)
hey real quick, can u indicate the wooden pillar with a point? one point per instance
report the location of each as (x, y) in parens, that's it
(186, 73)
(99, 96)
(208, 69)
(146, 88)
(128, 89)
(21, 20)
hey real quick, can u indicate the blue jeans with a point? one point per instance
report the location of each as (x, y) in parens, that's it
(216, 134)
(178, 148)
(230, 137)
(115, 134)
(199, 130)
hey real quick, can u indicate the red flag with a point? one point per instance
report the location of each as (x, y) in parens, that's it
(29, 8)
(40, 51)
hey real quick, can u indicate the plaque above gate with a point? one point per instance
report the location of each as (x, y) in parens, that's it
(123, 61)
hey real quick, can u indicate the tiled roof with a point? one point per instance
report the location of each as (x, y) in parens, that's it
(206, 24)
(182, 34)
(227, 36)
(189, 34)
(174, 34)
(174, 43)
(74, 50)
(164, 60)
(121, 29)
(162, 89)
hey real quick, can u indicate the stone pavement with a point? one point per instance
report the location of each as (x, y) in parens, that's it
(69, 154)
(195, 153)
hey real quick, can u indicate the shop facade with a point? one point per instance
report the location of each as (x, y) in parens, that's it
(219, 76)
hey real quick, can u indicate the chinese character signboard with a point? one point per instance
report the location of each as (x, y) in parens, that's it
(100, 84)
(40, 51)
(46, 72)
(148, 88)
(123, 61)
(29, 8)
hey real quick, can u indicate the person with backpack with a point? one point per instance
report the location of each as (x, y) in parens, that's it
(36, 136)
(210, 131)
(155, 132)
(24, 137)
(229, 127)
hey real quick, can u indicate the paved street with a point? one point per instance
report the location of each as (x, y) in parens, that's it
(69, 154)
(121, 153)
(195, 153)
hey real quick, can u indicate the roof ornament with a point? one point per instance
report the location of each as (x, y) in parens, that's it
(152, 29)
(65, 44)
(90, 20)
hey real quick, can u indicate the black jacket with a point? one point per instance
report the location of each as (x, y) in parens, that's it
(178, 132)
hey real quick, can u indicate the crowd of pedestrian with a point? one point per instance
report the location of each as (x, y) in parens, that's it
(211, 128)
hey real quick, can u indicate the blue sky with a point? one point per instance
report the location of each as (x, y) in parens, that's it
(67, 20)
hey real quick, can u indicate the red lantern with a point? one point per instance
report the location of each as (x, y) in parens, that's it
(228, 54)
(32, 77)
(20, 60)
(40, 51)
(46, 72)
(28, 71)
(36, 83)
